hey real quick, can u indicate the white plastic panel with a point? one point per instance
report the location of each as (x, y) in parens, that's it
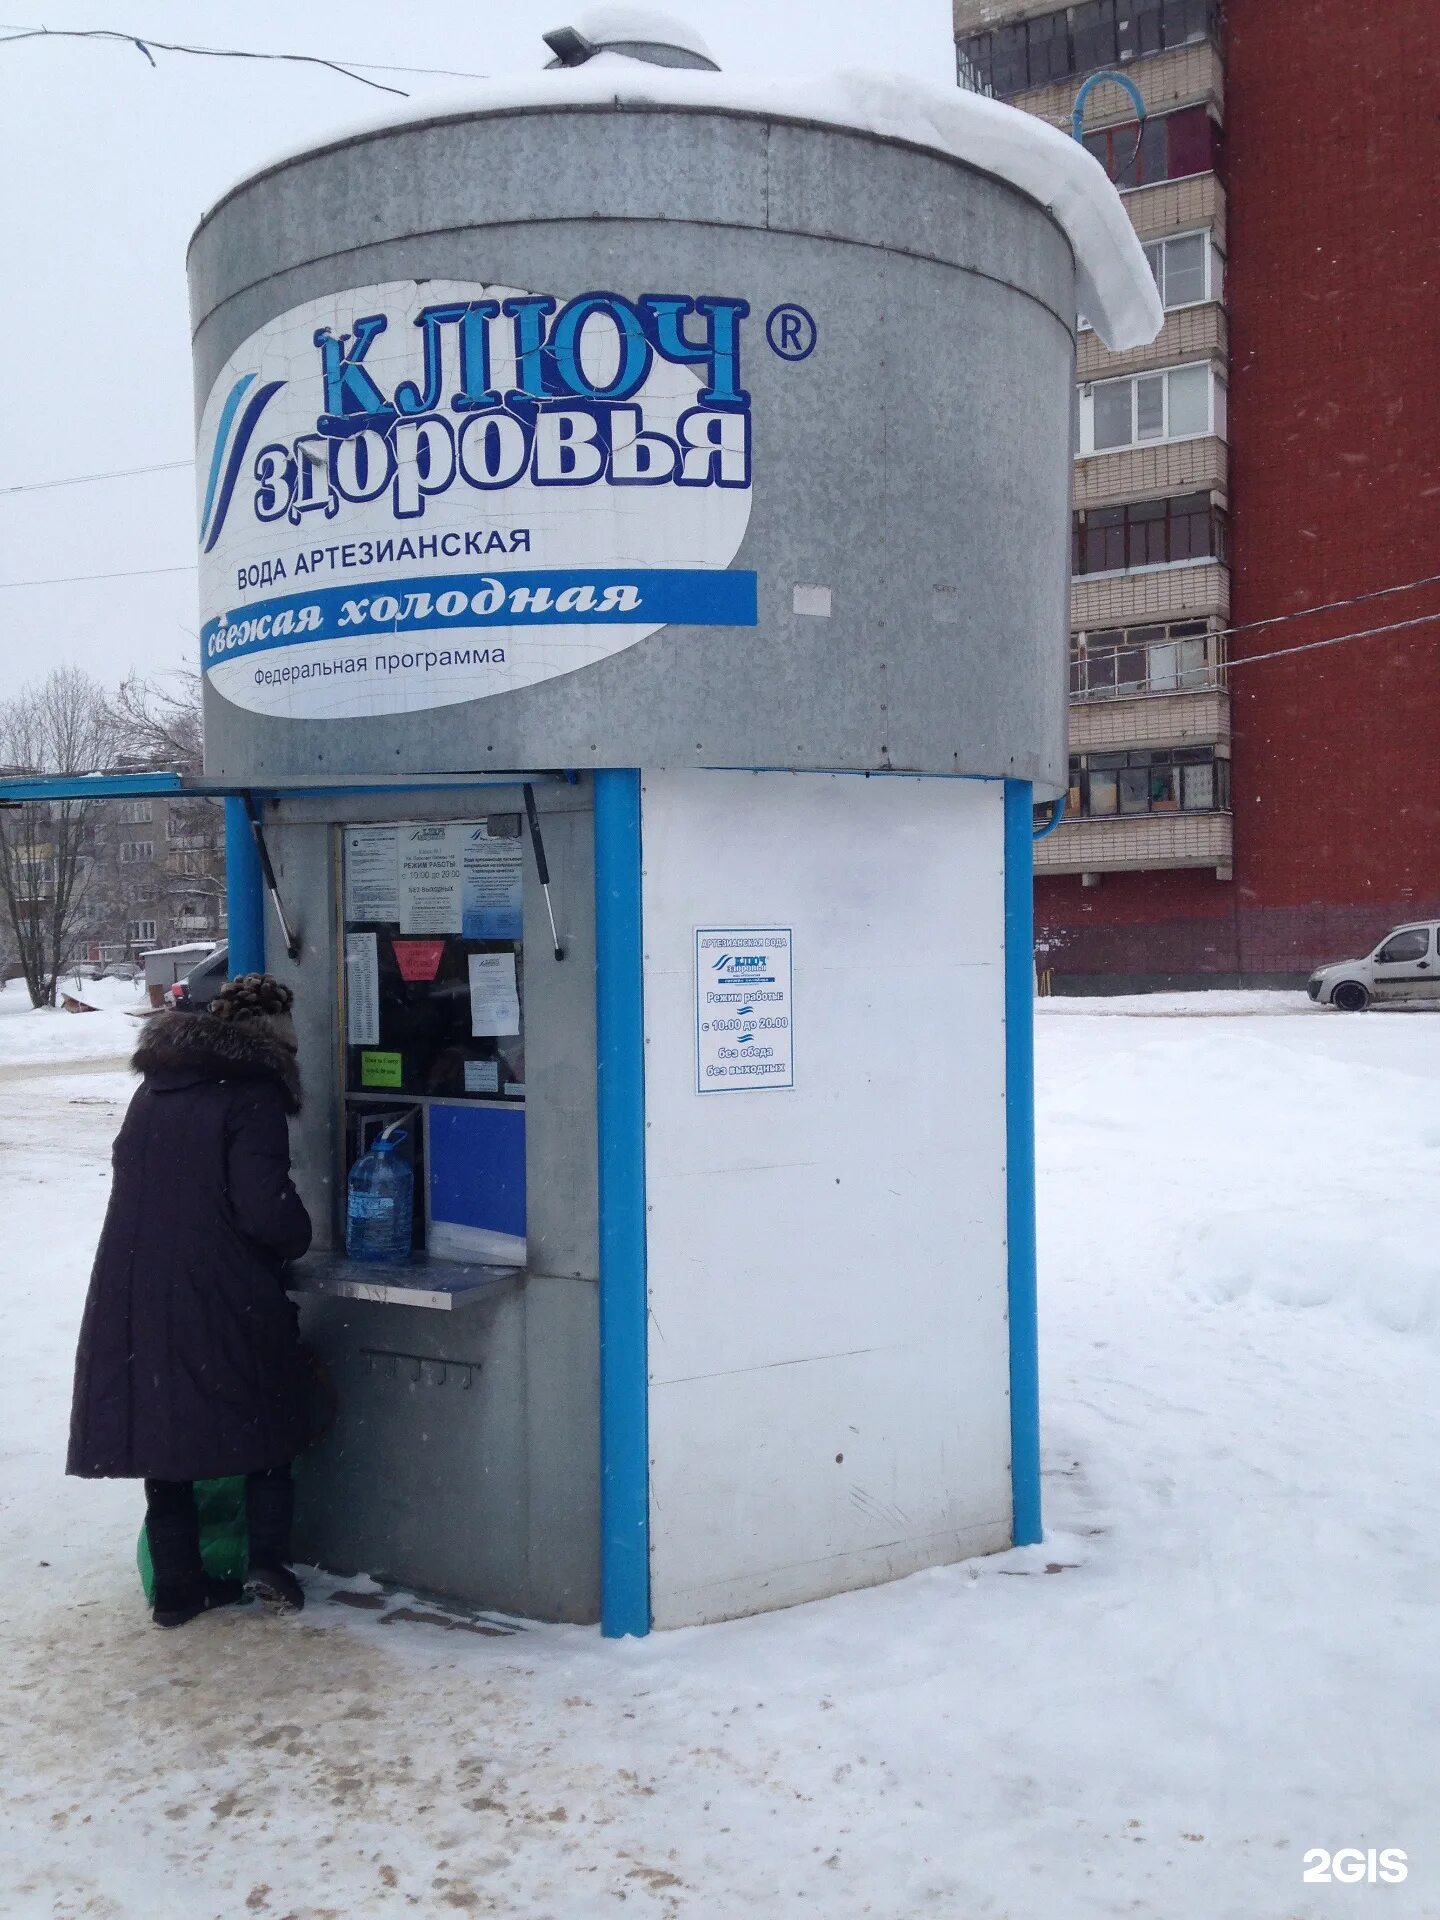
(827, 1263)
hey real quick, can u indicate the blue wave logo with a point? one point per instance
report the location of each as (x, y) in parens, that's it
(229, 453)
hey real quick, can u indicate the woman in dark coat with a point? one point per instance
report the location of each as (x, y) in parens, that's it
(190, 1365)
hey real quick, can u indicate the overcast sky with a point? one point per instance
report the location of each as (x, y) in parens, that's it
(106, 164)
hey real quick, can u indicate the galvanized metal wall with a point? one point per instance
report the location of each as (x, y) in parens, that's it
(917, 463)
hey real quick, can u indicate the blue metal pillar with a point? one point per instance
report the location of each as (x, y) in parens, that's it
(1020, 1159)
(244, 891)
(624, 1306)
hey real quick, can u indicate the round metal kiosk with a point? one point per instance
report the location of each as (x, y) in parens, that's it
(634, 527)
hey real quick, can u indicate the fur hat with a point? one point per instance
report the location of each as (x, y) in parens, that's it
(258, 999)
(252, 996)
(246, 1033)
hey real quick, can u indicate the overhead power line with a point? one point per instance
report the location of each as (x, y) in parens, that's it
(1328, 606)
(143, 44)
(1312, 646)
(351, 69)
(438, 73)
(83, 479)
(79, 579)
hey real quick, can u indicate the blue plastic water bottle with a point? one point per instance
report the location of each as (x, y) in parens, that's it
(379, 1204)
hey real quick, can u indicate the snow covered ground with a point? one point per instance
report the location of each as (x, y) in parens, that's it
(1224, 1654)
(46, 1038)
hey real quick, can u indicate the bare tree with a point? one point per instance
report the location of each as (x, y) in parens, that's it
(158, 721)
(62, 725)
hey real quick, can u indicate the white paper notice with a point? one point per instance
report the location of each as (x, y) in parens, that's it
(430, 874)
(742, 1009)
(482, 1076)
(494, 1000)
(372, 879)
(362, 988)
(494, 881)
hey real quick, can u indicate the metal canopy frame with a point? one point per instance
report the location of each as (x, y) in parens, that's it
(248, 872)
(246, 860)
(19, 790)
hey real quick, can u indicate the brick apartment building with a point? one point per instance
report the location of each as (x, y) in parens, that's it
(1233, 819)
(155, 876)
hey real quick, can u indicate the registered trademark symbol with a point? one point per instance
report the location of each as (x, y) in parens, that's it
(791, 332)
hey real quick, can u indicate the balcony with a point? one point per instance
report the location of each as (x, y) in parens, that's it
(1159, 593)
(1145, 842)
(1200, 718)
(1190, 333)
(1184, 77)
(1178, 206)
(1153, 472)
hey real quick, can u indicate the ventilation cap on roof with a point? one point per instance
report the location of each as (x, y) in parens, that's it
(635, 32)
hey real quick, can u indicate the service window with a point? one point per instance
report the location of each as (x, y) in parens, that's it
(434, 1023)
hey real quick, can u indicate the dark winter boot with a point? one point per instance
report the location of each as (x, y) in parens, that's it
(174, 1606)
(269, 1514)
(183, 1589)
(275, 1587)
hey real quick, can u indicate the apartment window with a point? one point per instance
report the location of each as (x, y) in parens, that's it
(1148, 533)
(1164, 146)
(134, 813)
(1133, 156)
(190, 826)
(1187, 269)
(1123, 662)
(1071, 41)
(132, 851)
(967, 74)
(1154, 26)
(1167, 146)
(1109, 786)
(141, 930)
(1009, 66)
(1176, 404)
(1048, 48)
(1193, 144)
(1092, 35)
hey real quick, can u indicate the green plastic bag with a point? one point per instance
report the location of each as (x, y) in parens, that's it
(224, 1537)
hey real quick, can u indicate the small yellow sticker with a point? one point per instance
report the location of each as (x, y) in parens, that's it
(380, 1069)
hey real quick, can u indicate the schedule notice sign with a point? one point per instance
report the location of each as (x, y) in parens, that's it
(743, 1020)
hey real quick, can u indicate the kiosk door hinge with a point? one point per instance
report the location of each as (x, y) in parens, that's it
(287, 933)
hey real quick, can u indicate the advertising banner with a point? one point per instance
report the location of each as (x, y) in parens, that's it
(415, 494)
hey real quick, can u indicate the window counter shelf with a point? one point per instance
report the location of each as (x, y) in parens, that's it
(444, 1285)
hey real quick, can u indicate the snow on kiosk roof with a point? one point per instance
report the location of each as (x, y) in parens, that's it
(912, 258)
(1117, 291)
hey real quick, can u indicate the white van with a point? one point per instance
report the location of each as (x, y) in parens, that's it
(1405, 966)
